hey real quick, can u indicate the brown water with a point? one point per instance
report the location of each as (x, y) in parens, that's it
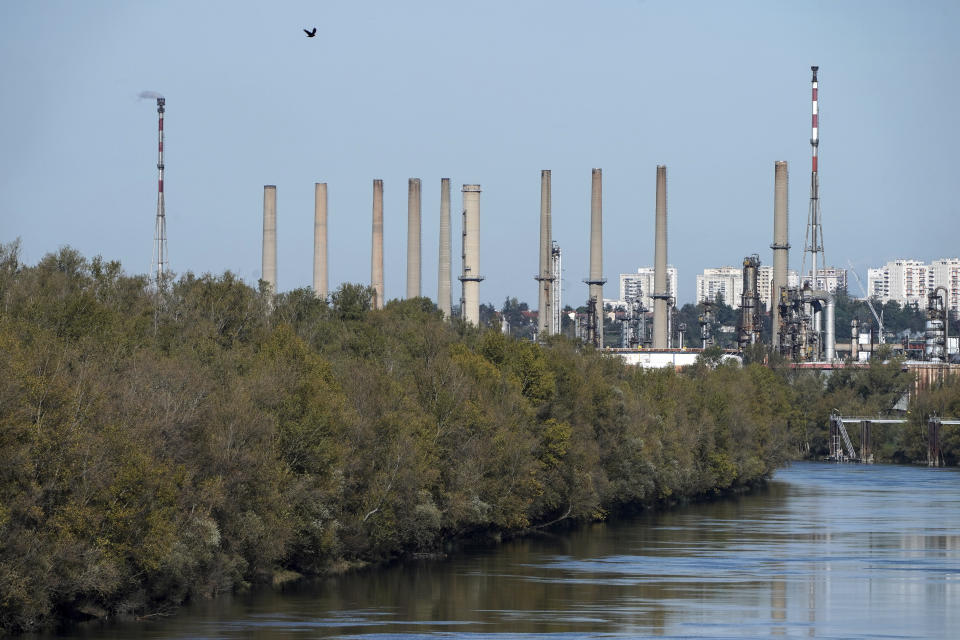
(829, 551)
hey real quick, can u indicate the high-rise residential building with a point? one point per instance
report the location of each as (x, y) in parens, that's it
(904, 281)
(945, 273)
(725, 282)
(878, 283)
(640, 285)
(909, 282)
(765, 283)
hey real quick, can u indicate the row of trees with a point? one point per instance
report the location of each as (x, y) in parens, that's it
(158, 448)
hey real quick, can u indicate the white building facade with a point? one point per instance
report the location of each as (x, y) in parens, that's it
(878, 283)
(946, 274)
(726, 282)
(910, 281)
(640, 285)
(902, 281)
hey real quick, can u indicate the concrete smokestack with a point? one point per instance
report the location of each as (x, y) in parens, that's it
(470, 300)
(413, 238)
(661, 294)
(376, 252)
(444, 298)
(320, 239)
(269, 271)
(780, 246)
(596, 253)
(545, 277)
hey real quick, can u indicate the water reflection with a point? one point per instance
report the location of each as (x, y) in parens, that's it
(826, 550)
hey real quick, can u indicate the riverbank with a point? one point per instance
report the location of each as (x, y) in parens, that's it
(167, 450)
(824, 549)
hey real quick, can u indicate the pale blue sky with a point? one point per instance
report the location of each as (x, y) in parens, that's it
(488, 93)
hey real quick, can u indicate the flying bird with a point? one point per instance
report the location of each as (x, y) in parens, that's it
(310, 34)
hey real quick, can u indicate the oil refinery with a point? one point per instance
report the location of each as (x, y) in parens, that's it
(800, 327)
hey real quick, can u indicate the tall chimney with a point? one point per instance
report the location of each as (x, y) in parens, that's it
(320, 239)
(444, 300)
(376, 252)
(470, 301)
(269, 271)
(596, 280)
(780, 246)
(545, 278)
(661, 294)
(413, 238)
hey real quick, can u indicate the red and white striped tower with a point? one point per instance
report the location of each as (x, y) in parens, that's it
(814, 238)
(160, 265)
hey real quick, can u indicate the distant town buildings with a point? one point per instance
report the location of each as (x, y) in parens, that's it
(728, 282)
(903, 281)
(725, 282)
(640, 285)
(831, 279)
(906, 281)
(946, 274)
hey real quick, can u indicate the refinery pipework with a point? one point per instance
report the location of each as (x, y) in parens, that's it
(936, 336)
(749, 327)
(556, 271)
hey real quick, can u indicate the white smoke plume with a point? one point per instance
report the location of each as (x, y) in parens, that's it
(149, 95)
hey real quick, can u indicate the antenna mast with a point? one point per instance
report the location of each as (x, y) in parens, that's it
(814, 239)
(160, 265)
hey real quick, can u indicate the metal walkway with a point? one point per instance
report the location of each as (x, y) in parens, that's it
(842, 449)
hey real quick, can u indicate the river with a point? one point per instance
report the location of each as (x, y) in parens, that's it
(827, 551)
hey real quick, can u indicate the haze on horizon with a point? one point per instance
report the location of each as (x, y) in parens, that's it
(487, 93)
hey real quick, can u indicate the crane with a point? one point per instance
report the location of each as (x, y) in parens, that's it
(867, 298)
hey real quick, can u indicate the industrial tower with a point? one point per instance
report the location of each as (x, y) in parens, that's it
(545, 294)
(160, 265)
(444, 296)
(556, 269)
(813, 244)
(471, 278)
(596, 280)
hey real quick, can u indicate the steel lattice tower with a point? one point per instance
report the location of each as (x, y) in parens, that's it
(556, 269)
(160, 265)
(813, 243)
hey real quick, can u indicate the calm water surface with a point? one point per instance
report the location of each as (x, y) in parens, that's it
(828, 551)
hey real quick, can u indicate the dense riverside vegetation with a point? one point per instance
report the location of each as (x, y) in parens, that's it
(229, 440)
